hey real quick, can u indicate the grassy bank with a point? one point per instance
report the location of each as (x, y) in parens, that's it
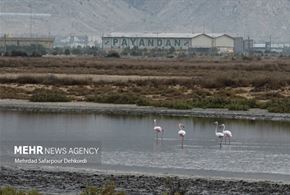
(170, 94)
(274, 105)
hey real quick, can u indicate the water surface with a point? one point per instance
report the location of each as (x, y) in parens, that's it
(258, 149)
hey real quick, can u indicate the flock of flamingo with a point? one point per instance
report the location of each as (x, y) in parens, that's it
(223, 135)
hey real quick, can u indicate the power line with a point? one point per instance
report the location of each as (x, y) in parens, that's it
(24, 14)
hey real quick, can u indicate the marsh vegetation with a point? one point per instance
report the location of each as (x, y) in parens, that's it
(230, 83)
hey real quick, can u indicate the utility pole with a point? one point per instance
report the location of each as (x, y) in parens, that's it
(1, 17)
(270, 43)
(2, 30)
(102, 38)
(192, 28)
(30, 28)
(5, 44)
(249, 46)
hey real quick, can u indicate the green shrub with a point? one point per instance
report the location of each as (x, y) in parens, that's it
(176, 104)
(15, 53)
(24, 51)
(127, 98)
(107, 189)
(116, 98)
(143, 102)
(67, 51)
(45, 95)
(238, 106)
(90, 190)
(210, 102)
(247, 58)
(242, 104)
(113, 54)
(197, 101)
(279, 106)
(36, 54)
(13, 191)
(224, 102)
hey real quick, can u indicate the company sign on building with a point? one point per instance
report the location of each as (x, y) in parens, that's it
(123, 42)
(178, 41)
(147, 40)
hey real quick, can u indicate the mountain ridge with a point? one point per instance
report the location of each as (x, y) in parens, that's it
(259, 19)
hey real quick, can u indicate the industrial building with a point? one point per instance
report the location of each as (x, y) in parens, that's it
(46, 42)
(179, 41)
(268, 47)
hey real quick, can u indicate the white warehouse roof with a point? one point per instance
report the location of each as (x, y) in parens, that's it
(164, 35)
(151, 35)
(215, 35)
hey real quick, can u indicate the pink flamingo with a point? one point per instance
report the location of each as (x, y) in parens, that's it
(181, 133)
(227, 134)
(158, 129)
(220, 135)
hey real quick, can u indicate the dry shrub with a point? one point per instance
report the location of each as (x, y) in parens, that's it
(46, 80)
(269, 83)
(12, 93)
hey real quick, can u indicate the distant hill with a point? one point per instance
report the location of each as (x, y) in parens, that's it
(259, 19)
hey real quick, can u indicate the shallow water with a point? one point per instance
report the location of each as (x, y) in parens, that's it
(129, 143)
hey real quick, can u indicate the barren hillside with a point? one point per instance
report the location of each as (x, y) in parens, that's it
(258, 18)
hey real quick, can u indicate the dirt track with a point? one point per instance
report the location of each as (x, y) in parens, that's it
(93, 77)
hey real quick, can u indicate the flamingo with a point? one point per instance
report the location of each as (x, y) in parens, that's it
(181, 133)
(220, 135)
(227, 134)
(158, 129)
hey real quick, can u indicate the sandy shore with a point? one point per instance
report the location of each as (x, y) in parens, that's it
(70, 182)
(86, 107)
